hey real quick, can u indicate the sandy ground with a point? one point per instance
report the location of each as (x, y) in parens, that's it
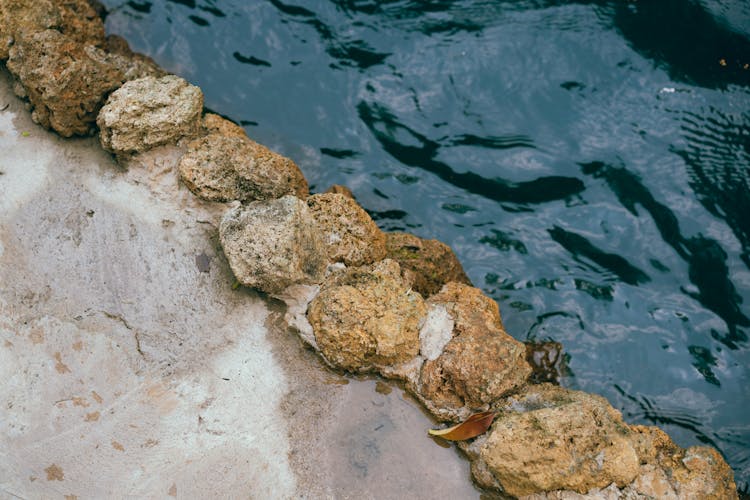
(131, 368)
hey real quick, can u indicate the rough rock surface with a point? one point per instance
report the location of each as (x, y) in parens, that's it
(367, 318)
(133, 65)
(351, 236)
(81, 22)
(215, 124)
(149, 112)
(65, 85)
(23, 18)
(669, 471)
(549, 438)
(431, 262)
(481, 362)
(339, 189)
(273, 244)
(221, 167)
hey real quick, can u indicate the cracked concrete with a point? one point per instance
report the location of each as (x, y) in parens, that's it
(132, 368)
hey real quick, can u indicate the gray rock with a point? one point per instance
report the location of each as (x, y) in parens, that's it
(271, 245)
(150, 112)
(221, 167)
(65, 85)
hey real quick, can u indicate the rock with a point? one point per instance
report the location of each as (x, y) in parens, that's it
(271, 245)
(65, 85)
(478, 365)
(149, 112)
(669, 471)
(81, 22)
(367, 318)
(215, 124)
(132, 64)
(231, 167)
(352, 237)
(339, 189)
(549, 438)
(547, 360)
(24, 18)
(432, 262)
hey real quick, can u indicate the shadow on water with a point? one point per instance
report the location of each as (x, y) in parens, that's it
(385, 127)
(706, 259)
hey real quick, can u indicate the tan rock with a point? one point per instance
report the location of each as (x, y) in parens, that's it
(432, 262)
(273, 244)
(352, 237)
(704, 474)
(215, 124)
(24, 18)
(231, 167)
(81, 22)
(549, 438)
(339, 189)
(65, 85)
(150, 112)
(367, 318)
(133, 65)
(480, 364)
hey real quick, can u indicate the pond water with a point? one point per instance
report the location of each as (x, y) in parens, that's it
(588, 161)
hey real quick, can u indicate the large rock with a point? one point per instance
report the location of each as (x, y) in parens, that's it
(479, 364)
(150, 112)
(351, 236)
(669, 471)
(431, 262)
(221, 167)
(19, 18)
(549, 438)
(367, 318)
(133, 65)
(216, 124)
(76, 19)
(65, 81)
(273, 244)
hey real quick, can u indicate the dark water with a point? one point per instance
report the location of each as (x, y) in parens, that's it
(588, 161)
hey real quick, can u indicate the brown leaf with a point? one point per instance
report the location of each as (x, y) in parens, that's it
(471, 427)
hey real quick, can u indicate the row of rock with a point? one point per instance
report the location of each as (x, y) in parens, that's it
(392, 304)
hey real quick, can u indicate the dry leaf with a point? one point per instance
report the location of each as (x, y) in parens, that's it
(471, 427)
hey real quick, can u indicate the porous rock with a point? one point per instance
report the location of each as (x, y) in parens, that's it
(549, 438)
(367, 318)
(150, 112)
(479, 364)
(221, 167)
(669, 471)
(273, 244)
(65, 85)
(339, 189)
(76, 19)
(25, 17)
(216, 124)
(431, 262)
(81, 22)
(351, 236)
(133, 65)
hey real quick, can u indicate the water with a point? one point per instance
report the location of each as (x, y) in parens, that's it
(588, 161)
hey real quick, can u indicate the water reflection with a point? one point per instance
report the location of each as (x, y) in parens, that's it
(707, 268)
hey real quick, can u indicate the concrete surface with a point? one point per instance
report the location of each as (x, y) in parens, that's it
(131, 368)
